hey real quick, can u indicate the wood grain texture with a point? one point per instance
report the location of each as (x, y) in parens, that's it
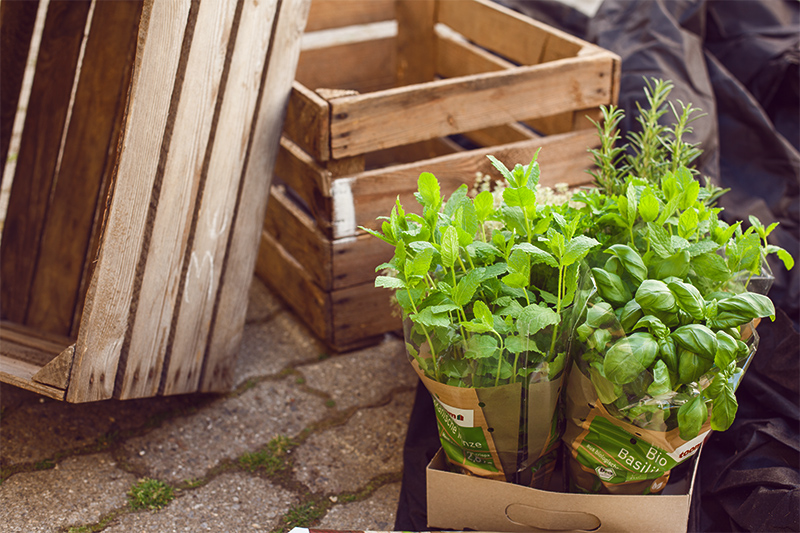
(416, 41)
(82, 179)
(216, 213)
(39, 150)
(457, 57)
(56, 372)
(20, 374)
(231, 307)
(106, 314)
(364, 66)
(326, 14)
(445, 107)
(307, 122)
(178, 195)
(16, 29)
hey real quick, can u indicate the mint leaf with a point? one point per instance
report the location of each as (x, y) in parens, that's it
(534, 318)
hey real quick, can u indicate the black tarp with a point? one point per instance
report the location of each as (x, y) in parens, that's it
(737, 60)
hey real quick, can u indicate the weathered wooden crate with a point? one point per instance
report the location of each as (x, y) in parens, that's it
(386, 90)
(137, 188)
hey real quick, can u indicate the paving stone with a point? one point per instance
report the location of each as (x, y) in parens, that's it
(269, 347)
(262, 302)
(345, 458)
(363, 377)
(376, 513)
(187, 447)
(38, 428)
(80, 490)
(233, 501)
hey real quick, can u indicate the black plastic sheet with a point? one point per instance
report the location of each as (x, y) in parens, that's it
(737, 60)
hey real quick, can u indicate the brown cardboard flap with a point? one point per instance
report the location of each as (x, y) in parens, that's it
(550, 520)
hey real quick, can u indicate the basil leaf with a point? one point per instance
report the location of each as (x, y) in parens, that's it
(606, 391)
(689, 298)
(691, 367)
(653, 325)
(727, 349)
(610, 287)
(697, 338)
(654, 295)
(661, 384)
(676, 265)
(631, 260)
(631, 313)
(691, 417)
(668, 353)
(599, 315)
(723, 403)
(629, 357)
(747, 306)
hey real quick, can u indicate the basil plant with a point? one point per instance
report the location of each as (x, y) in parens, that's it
(485, 289)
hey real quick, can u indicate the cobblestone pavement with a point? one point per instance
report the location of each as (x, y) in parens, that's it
(306, 438)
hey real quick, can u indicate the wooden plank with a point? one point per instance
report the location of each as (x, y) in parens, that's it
(298, 235)
(445, 107)
(308, 180)
(106, 313)
(231, 307)
(355, 259)
(361, 312)
(82, 179)
(39, 151)
(178, 195)
(416, 41)
(307, 122)
(456, 57)
(362, 66)
(505, 134)
(563, 158)
(56, 372)
(410, 152)
(16, 29)
(506, 32)
(43, 342)
(20, 374)
(291, 282)
(337, 13)
(216, 211)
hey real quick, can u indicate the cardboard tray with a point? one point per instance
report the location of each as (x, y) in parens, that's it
(458, 501)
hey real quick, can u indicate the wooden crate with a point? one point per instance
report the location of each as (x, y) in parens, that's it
(137, 187)
(386, 90)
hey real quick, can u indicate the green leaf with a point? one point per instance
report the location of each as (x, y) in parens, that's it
(702, 247)
(449, 247)
(389, 282)
(723, 404)
(481, 347)
(610, 287)
(631, 313)
(419, 265)
(654, 295)
(427, 317)
(482, 313)
(429, 192)
(503, 170)
(536, 255)
(465, 289)
(691, 417)
(653, 325)
(631, 260)
(698, 339)
(519, 197)
(629, 357)
(711, 266)
(727, 348)
(599, 315)
(783, 255)
(677, 265)
(535, 318)
(691, 367)
(687, 223)
(747, 305)
(668, 353)
(659, 239)
(484, 205)
(648, 206)
(631, 206)
(577, 248)
(661, 383)
(689, 298)
(606, 391)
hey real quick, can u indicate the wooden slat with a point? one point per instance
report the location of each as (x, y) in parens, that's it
(20, 374)
(359, 123)
(362, 66)
(43, 342)
(299, 236)
(307, 122)
(337, 13)
(355, 259)
(361, 312)
(416, 41)
(410, 152)
(563, 158)
(56, 372)
(16, 29)
(215, 216)
(105, 317)
(231, 307)
(39, 150)
(505, 134)
(291, 282)
(178, 195)
(506, 32)
(457, 57)
(308, 180)
(83, 177)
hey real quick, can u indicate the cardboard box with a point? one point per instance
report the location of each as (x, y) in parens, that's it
(457, 501)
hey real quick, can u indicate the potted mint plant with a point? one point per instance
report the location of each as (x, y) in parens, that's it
(486, 292)
(666, 319)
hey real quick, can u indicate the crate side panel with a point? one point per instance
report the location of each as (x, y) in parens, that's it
(105, 318)
(33, 178)
(231, 306)
(178, 193)
(326, 14)
(362, 312)
(446, 107)
(416, 41)
(86, 164)
(364, 66)
(307, 122)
